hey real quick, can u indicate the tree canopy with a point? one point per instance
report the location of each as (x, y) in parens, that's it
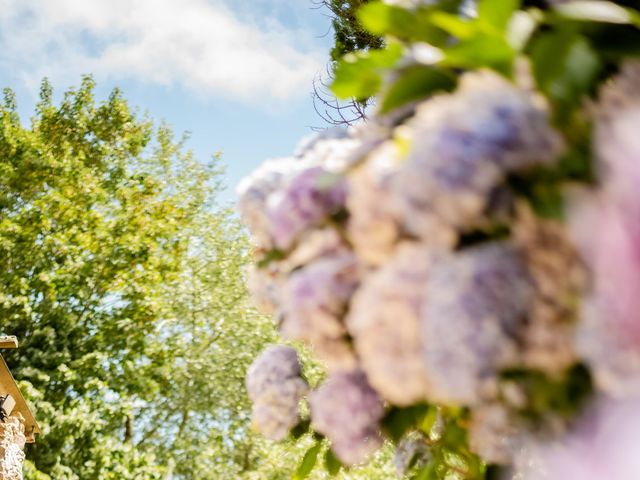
(124, 282)
(349, 34)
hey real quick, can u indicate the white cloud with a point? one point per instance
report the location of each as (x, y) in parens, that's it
(197, 44)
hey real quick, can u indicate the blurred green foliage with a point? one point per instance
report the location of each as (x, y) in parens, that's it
(572, 47)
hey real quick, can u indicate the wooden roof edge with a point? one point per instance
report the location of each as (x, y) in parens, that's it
(8, 341)
(9, 385)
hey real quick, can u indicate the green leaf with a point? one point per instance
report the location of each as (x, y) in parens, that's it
(359, 75)
(399, 420)
(415, 83)
(308, 462)
(331, 463)
(453, 24)
(454, 435)
(497, 12)
(356, 80)
(475, 466)
(521, 28)
(429, 420)
(598, 11)
(565, 67)
(402, 24)
(271, 256)
(481, 51)
(383, 19)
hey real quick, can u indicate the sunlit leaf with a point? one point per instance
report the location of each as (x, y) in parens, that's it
(597, 11)
(384, 19)
(331, 463)
(308, 462)
(414, 83)
(402, 24)
(453, 24)
(482, 51)
(360, 76)
(497, 12)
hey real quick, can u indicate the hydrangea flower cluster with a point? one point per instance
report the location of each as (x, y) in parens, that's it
(609, 428)
(436, 177)
(475, 303)
(610, 334)
(347, 410)
(275, 388)
(402, 253)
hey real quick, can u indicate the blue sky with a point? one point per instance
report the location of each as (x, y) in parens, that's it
(237, 74)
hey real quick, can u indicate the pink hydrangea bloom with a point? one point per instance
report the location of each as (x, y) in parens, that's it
(603, 445)
(608, 229)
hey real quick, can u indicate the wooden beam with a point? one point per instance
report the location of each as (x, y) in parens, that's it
(8, 341)
(8, 386)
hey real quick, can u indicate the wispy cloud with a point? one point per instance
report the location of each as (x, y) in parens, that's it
(197, 44)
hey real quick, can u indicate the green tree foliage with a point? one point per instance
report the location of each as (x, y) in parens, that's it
(124, 283)
(349, 34)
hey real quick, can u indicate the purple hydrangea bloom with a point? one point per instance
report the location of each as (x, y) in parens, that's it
(347, 411)
(475, 304)
(275, 387)
(275, 365)
(609, 333)
(254, 192)
(308, 182)
(307, 199)
(314, 299)
(377, 212)
(384, 319)
(325, 284)
(462, 145)
(265, 284)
